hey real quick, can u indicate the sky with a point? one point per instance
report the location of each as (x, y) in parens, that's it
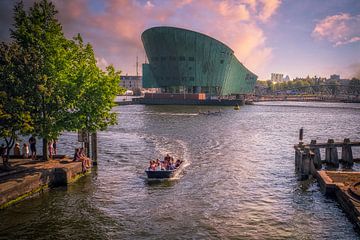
(296, 38)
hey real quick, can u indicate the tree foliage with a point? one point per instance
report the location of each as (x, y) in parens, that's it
(59, 85)
(14, 117)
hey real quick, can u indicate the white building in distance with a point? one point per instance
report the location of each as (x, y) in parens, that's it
(277, 77)
(131, 82)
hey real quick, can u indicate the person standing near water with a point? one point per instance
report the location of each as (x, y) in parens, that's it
(32, 142)
(54, 147)
(25, 150)
(50, 148)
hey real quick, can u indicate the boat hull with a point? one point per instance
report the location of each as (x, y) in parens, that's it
(163, 174)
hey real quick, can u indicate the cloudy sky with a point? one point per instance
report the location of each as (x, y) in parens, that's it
(297, 38)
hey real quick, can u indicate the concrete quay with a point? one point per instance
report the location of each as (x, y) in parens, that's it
(28, 177)
(345, 186)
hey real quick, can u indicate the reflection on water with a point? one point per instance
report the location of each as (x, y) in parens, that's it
(239, 182)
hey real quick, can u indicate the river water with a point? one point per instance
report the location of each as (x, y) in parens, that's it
(239, 182)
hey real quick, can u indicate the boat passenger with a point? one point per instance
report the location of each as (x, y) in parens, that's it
(158, 165)
(152, 165)
(171, 165)
(167, 157)
(177, 164)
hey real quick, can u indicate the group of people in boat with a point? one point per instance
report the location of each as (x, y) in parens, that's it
(167, 164)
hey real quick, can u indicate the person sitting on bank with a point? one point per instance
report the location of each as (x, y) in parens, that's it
(85, 158)
(79, 158)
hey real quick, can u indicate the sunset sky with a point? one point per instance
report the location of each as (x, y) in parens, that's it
(297, 38)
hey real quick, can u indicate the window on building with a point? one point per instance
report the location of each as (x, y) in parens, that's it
(163, 58)
(172, 58)
(191, 78)
(191, 59)
(190, 68)
(221, 61)
(182, 58)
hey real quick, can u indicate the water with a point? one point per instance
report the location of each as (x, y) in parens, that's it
(239, 182)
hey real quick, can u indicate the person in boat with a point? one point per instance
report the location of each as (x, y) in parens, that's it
(158, 165)
(172, 165)
(152, 166)
(177, 164)
(167, 158)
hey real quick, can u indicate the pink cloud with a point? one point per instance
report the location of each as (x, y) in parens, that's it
(268, 9)
(338, 29)
(115, 31)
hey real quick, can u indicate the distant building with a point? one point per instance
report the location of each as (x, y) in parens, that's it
(287, 78)
(131, 82)
(277, 77)
(335, 77)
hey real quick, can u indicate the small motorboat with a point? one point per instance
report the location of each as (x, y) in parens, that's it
(164, 174)
(210, 113)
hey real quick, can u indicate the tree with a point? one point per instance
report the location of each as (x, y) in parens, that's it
(39, 35)
(14, 118)
(64, 88)
(91, 92)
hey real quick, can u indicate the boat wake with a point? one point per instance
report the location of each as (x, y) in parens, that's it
(176, 148)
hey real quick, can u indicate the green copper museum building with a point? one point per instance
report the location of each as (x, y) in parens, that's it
(184, 61)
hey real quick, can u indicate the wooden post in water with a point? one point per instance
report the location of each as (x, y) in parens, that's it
(317, 156)
(331, 155)
(301, 136)
(306, 164)
(346, 153)
(94, 148)
(297, 159)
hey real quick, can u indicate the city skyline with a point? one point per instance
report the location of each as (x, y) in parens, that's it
(290, 37)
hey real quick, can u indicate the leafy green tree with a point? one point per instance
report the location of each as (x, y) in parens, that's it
(14, 118)
(64, 88)
(91, 92)
(39, 35)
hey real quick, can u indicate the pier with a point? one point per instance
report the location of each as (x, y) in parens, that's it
(344, 184)
(29, 177)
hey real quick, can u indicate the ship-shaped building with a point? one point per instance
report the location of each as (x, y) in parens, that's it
(192, 65)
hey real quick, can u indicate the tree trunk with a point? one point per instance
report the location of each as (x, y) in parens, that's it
(9, 145)
(45, 152)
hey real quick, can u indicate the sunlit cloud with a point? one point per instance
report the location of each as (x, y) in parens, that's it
(115, 30)
(338, 29)
(102, 63)
(269, 7)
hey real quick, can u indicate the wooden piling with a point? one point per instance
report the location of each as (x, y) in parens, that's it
(346, 154)
(94, 147)
(331, 154)
(317, 155)
(306, 164)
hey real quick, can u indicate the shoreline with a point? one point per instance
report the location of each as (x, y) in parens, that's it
(33, 177)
